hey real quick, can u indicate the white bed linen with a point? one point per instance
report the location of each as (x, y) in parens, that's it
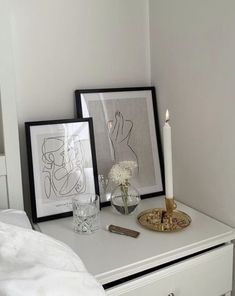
(33, 264)
(15, 217)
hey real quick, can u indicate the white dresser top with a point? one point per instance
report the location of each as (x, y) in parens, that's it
(111, 256)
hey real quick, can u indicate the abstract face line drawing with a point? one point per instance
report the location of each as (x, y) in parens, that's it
(63, 166)
(120, 131)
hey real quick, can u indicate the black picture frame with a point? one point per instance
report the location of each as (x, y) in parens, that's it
(61, 163)
(137, 107)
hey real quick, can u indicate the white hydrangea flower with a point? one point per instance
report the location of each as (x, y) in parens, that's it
(121, 172)
(128, 165)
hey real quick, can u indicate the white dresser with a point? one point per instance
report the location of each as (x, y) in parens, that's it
(197, 261)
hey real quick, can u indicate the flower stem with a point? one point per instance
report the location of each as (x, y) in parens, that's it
(124, 189)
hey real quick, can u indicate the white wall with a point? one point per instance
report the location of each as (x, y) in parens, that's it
(14, 197)
(1, 131)
(192, 59)
(63, 45)
(193, 66)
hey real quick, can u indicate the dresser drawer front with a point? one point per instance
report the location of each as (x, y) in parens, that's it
(208, 274)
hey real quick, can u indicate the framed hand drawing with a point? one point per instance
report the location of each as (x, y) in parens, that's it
(62, 164)
(126, 128)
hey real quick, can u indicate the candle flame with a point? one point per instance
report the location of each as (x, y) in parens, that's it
(167, 116)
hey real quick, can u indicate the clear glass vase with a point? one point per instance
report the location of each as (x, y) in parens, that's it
(125, 199)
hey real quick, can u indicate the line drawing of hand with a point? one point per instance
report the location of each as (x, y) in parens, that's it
(120, 131)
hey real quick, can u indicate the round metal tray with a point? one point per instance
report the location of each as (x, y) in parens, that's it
(158, 220)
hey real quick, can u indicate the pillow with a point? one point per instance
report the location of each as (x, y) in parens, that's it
(15, 217)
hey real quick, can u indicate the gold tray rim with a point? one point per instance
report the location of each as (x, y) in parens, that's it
(160, 229)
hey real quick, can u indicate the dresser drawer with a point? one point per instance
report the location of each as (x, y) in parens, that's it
(208, 274)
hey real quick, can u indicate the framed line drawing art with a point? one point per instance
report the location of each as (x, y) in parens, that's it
(62, 164)
(126, 127)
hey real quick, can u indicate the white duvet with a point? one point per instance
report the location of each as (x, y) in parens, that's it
(33, 264)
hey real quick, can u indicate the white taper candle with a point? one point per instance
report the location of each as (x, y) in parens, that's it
(168, 157)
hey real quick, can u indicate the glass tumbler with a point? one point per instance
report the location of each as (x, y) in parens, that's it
(86, 213)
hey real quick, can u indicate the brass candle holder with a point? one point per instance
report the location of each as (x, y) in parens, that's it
(164, 220)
